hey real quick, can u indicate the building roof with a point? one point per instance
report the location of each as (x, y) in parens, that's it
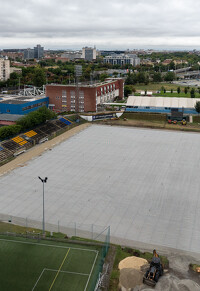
(15, 99)
(171, 102)
(10, 117)
(87, 84)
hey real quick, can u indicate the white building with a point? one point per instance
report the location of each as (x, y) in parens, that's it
(89, 53)
(122, 59)
(72, 55)
(4, 69)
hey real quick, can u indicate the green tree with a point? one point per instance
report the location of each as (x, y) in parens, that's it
(171, 91)
(157, 77)
(103, 77)
(131, 79)
(8, 131)
(39, 77)
(146, 82)
(178, 90)
(127, 90)
(141, 77)
(35, 118)
(164, 90)
(14, 76)
(170, 76)
(115, 74)
(197, 106)
(192, 93)
(186, 90)
(172, 66)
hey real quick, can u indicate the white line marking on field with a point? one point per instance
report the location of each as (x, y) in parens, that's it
(91, 271)
(59, 269)
(45, 245)
(38, 279)
(51, 270)
(74, 273)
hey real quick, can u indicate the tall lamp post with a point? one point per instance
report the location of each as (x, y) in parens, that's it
(43, 181)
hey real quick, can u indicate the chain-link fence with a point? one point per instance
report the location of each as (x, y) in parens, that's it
(12, 225)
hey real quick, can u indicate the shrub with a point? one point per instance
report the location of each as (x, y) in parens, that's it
(7, 131)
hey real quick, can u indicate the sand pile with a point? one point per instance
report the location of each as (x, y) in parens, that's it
(133, 263)
(130, 272)
(129, 278)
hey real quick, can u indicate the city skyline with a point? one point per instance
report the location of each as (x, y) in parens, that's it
(108, 25)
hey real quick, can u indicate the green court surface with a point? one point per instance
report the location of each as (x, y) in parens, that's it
(47, 265)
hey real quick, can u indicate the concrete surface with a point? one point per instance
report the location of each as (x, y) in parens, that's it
(143, 183)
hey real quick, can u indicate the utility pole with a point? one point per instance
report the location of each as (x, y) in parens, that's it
(43, 220)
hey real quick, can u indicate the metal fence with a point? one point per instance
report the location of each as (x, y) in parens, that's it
(10, 225)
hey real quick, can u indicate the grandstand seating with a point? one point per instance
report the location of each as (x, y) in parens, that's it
(65, 120)
(4, 154)
(19, 140)
(11, 147)
(60, 124)
(48, 128)
(30, 133)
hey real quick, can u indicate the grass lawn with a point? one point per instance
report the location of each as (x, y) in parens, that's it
(29, 265)
(175, 94)
(157, 86)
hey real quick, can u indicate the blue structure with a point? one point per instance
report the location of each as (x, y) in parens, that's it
(21, 105)
(65, 120)
(165, 110)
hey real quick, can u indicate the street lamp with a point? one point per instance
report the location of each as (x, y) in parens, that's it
(43, 181)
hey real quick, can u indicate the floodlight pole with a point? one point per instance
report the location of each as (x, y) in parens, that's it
(43, 220)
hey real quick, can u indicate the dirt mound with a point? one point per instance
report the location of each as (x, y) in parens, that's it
(169, 282)
(132, 263)
(129, 278)
(130, 272)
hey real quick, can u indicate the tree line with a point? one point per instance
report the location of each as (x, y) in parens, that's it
(26, 122)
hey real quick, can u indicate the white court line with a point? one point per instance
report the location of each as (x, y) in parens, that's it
(7, 240)
(55, 246)
(38, 279)
(45, 269)
(91, 271)
(82, 274)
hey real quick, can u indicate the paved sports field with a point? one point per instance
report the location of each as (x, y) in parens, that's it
(144, 183)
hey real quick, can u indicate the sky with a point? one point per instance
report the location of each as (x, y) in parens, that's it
(107, 24)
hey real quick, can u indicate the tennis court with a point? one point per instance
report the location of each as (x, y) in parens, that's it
(46, 265)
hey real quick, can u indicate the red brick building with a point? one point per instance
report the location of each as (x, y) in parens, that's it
(85, 98)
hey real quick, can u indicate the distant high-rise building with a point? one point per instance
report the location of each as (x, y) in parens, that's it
(89, 53)
(38, 52)
(4, 69)
(28, 54)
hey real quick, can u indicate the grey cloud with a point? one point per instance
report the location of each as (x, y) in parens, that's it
(100, 21)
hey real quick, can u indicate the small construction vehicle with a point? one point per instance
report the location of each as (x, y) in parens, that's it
(154, 272)
(183, 122)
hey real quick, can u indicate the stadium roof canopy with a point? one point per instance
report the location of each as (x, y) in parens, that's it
(170, 102)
